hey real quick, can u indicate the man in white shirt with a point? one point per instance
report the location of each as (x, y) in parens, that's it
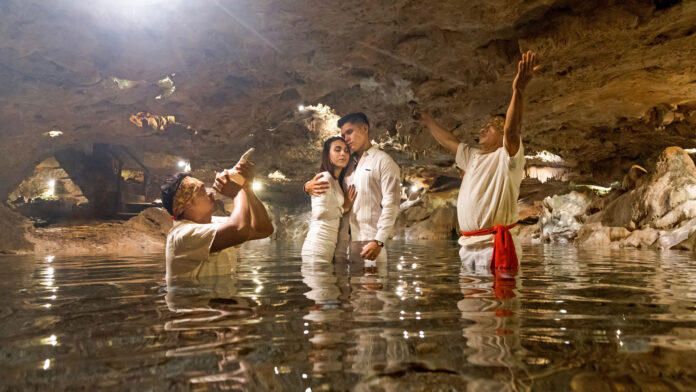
(200, 245)
(377, 181)
(487, 203)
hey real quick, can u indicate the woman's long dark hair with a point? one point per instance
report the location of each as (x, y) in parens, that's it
(326, 164)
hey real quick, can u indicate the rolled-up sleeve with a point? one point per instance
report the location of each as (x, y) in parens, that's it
(390, 179)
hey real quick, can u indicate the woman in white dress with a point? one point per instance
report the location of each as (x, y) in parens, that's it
(328, 208)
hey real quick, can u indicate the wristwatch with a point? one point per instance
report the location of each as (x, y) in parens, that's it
(379, 243)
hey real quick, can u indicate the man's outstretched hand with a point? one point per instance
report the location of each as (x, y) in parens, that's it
(420, 115)
(525, 71)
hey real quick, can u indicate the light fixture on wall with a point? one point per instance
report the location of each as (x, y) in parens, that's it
(185, 166)
(53, 133)
(256, 186)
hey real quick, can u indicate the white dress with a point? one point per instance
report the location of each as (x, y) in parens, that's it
(327, 211)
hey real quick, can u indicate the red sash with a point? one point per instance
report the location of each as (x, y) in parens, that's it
(504, 254)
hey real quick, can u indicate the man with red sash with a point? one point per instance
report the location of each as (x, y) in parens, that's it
(493, 170)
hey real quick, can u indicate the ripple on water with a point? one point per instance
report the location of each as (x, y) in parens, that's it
(570, 319)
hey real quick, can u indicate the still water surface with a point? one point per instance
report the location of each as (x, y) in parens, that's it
(569, 320)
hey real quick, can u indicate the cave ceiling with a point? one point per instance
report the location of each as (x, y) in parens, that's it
(618, 78)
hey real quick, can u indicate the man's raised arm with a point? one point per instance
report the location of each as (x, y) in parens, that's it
(443, 136)
(236, 229)
(261, 225)
(513, 120)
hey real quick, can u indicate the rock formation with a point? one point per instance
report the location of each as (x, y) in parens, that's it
(203, 81)
(143, 234)
(656, 210)
(14, 231)
(429, 216)
(560, 219)
(217, 77)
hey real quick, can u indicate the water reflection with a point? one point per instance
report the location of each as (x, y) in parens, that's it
(324, 339)
(569, 320)
(210, 306)
(493, 339)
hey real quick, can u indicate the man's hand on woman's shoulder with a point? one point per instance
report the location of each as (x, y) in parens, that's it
(316, 186)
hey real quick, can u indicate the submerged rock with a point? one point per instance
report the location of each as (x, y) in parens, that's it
(642, 238)
(672, 238)
(595, 235)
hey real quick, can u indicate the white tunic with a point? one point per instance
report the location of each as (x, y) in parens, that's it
(327, 211)
(487, 197)
(188, 251)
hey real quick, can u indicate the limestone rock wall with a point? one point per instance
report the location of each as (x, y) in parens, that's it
(561, 217)
(615, 85)
(657, 211)
(143, 234)
(14, 230)
(429, 216)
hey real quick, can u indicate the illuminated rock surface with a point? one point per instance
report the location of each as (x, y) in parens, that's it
(203, 81)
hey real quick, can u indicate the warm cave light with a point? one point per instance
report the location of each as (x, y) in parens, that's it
(301, 108)
(51, 188)
(52, 340)
(53, 133)
(46, 364)
(277, 176)
(185, 166)
(256, 186)
(690, 150)
(414, 188)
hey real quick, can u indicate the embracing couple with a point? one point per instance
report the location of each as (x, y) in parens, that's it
(355, 199)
